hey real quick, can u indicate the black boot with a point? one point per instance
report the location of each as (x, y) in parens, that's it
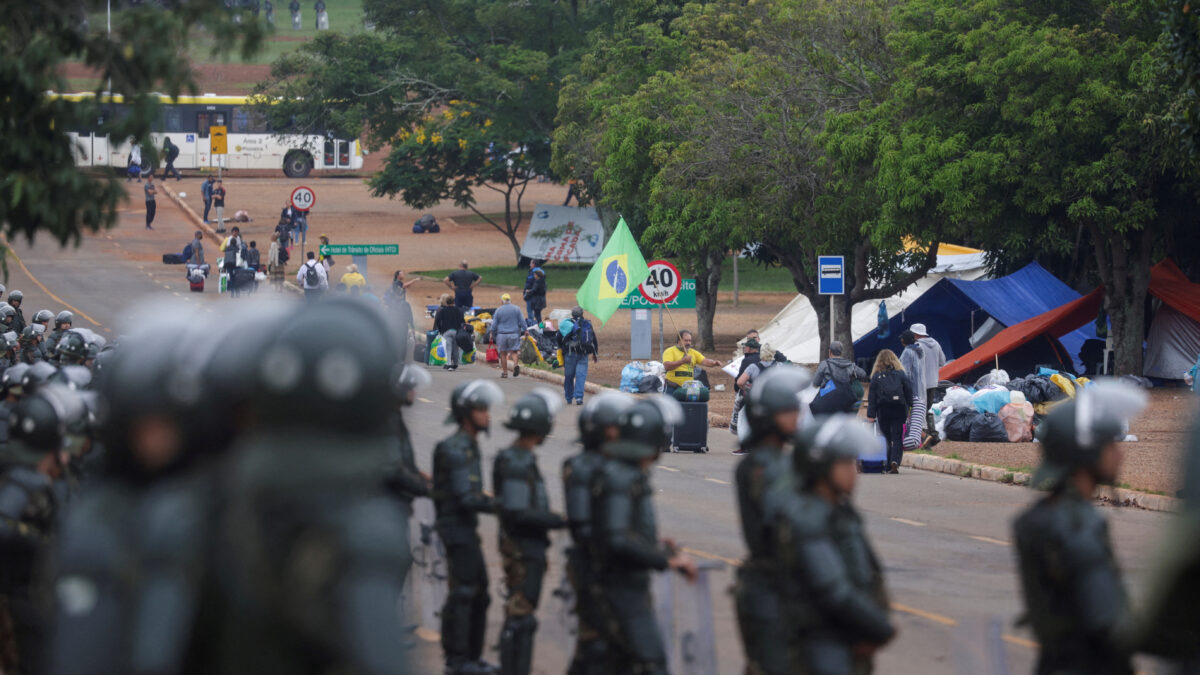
(516, 645)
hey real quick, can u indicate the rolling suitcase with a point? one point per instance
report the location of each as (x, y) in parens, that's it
(874, 459)
(197, 285)
(692, 434)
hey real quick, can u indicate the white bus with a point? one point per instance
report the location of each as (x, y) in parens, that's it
(251, 144)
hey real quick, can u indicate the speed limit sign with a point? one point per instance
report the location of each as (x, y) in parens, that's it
(662, 286)
(303, 198)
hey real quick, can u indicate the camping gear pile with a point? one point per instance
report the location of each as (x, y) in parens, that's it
(426, 223)
(999, 409)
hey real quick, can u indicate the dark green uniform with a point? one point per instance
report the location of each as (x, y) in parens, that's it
(27, 516)
(525, 523)
(404, 482)
(626, 550)
(458, 499)
(1075, 600)
(833, 589)
(758, 581)
(577, 474)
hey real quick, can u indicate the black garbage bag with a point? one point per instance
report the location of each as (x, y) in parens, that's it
(988, 428)
(958, 427)
(465, 339)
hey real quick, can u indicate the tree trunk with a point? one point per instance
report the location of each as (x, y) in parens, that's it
(820, 305)
(1128, 316)
(708, 282)
(841, 326)
(1124, 265)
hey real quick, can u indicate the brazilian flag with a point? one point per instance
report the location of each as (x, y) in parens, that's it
(617, 273)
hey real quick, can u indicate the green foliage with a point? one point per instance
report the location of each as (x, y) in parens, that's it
(41, 190)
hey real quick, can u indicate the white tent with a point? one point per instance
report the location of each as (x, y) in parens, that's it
(1172, 345)
(794, 330)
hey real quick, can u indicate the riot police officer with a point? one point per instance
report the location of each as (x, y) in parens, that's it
(8, 317)
(71, 348)
(28, 343)
(15, 298)
(11, 343)
(625, 544)
(835, 603)
(525, 524)
(62, 324)
(401, 477)
(42, 318)
(1075, 601)
(772, 413)
(597, 426)
(29, 503)
(311, 544)
(458, 499)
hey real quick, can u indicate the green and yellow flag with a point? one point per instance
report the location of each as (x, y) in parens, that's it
(617, 273)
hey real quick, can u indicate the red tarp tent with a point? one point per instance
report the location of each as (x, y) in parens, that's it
(1167, 283)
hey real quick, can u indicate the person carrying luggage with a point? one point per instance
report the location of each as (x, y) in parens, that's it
(888, 401)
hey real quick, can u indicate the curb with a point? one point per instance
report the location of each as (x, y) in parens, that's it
(589, 387)
(954, 467)
(199, 222)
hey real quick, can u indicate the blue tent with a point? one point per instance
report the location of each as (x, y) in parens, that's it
(953, 309)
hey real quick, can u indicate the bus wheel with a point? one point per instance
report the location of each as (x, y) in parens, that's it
(297, 164)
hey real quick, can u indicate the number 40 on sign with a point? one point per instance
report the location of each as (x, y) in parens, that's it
(303, 198)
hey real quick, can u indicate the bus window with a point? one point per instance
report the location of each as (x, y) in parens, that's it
(329, 154)
(204, 120)
(343, 153)
(247, 121)
(172, 120)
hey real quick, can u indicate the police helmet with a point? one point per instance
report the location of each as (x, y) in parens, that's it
(7, 312)
(342, 379)
(11, 341)
(16, 296)
(646, 427)
(38, 374)
(1075, 433)
(13, 379)
(75, 378)
(72, 347)
(774, 391)
(40, 420)
(64, 317)
(827, 440)
(473, 395)
(412, 379)
(534, 412)
(28, 336)
(600, 412)
(43, 316)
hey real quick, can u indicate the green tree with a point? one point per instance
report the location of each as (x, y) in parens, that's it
(1035, 125)
(502, 62)
(41, 189)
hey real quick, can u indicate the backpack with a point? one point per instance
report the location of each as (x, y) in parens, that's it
(890, 389)
(582, 336)
(312, 278)
(187, 252)
(283, 255)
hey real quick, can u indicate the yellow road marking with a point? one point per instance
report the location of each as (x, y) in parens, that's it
(732, 562)
(906, 521)
(718, 481)
(1019, 641)
(936, 618)
(429, 635)
(668, 468)
(989, 540)
(45, 290)
(424, 400)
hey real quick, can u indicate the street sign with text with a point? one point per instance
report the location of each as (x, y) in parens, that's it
(831, 275)
(360, 249)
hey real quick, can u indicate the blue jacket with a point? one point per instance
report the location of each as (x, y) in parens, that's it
(206, 189)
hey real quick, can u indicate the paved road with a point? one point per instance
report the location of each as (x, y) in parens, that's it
(944, 541)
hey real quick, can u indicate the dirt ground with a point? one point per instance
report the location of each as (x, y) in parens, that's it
(1151, 464)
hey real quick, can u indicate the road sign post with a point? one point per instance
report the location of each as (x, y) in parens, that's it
(661, 287)
(831, 281)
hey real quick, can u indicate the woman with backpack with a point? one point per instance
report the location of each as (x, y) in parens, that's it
(888, 401)
(448, 321)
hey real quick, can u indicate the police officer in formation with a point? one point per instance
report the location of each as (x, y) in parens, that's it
(525, 523)
(772, 413)
(401, 477)
(458, 499)
(598, 424)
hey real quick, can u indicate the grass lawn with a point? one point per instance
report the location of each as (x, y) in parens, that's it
(569, 276)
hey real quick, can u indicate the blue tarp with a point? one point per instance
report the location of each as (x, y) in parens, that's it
(952, 309)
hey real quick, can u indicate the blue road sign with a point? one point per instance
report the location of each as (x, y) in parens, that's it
(831, 275)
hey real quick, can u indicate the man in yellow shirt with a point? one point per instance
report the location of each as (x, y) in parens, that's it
(681, 360)
(352, 277)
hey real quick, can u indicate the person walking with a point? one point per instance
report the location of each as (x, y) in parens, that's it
(206, 193)
(536, 265)
(913, 361)
(197, 244)
(839, 383)
(448, 321)
(1075, 599)
(458, 499)
(935, 358)
(171, 153)
(577, 345)
(319, 8)
(276, 263)
(324, 259)
(134, 170)
(294, 7)
(888, 400)
(218, 197)
(680, 362)
(535, 295)
(525, 525)
(312, 278)
(507, 327)
(151, 205)
(750, 356)
(463, 282)
(254, 257)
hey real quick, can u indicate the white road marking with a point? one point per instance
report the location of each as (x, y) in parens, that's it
(989, 540)
(424, 400)
(718, 481)
(906, 521)
(668, 468)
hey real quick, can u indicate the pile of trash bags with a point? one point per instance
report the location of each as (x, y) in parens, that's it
(643, 378)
